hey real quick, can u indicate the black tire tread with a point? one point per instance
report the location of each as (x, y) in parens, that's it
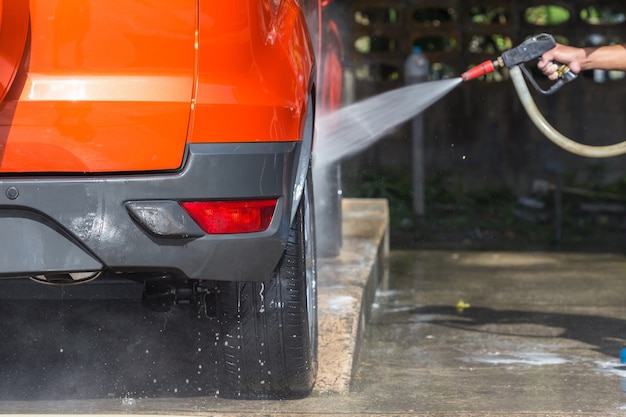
(264, 342)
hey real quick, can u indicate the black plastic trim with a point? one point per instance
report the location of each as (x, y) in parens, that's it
(91, 209)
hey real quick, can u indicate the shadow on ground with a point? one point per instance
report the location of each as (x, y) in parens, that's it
(602, 334)
(62, 350)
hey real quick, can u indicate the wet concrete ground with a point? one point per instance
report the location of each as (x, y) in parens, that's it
(541, 336)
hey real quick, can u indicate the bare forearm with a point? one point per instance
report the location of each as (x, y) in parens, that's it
(612, 57)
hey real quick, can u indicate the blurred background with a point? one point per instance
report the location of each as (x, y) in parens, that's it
(491, 179)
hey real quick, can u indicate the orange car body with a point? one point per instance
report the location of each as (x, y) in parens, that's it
(130, 110)
(125, 85)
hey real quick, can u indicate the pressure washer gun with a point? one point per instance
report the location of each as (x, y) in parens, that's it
(528, 50)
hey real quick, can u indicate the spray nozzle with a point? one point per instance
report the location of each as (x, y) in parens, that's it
(479, 70)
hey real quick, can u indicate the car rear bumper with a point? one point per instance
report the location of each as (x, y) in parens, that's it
(65, 224)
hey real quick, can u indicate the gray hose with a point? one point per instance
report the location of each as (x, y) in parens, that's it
(551, 133)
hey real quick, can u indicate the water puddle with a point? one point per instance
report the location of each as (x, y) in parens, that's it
(611, 368)
(518, 358)
(509, 259)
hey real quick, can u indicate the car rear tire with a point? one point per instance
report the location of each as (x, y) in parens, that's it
(267, 343)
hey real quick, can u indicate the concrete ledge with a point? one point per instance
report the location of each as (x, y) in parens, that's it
(346, 288)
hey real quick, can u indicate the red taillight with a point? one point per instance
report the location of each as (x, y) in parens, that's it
(218, 217)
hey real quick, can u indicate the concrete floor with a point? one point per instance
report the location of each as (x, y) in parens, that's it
(449, 334)
(541, 336)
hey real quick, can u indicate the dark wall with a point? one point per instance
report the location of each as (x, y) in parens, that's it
(479, 133)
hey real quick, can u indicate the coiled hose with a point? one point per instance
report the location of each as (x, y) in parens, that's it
(551, 133)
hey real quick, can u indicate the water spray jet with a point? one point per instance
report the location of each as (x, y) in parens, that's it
(353, 128)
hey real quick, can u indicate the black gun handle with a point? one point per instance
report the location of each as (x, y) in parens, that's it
(531, 48)
(566, 75)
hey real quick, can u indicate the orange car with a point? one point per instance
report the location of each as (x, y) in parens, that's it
(169, 142)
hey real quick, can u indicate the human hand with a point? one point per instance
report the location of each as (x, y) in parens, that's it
(561, 54)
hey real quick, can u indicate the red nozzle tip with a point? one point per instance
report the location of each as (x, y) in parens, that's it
(479, 70)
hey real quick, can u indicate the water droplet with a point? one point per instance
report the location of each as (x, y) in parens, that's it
(128, 401)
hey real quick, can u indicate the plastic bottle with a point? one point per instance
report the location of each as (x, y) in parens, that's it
(416, 67)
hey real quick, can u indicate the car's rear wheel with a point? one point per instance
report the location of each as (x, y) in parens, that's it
(268, 329)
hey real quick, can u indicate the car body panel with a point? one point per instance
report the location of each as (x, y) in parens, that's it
(123, 85)
(260, 88)
(101, 88)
